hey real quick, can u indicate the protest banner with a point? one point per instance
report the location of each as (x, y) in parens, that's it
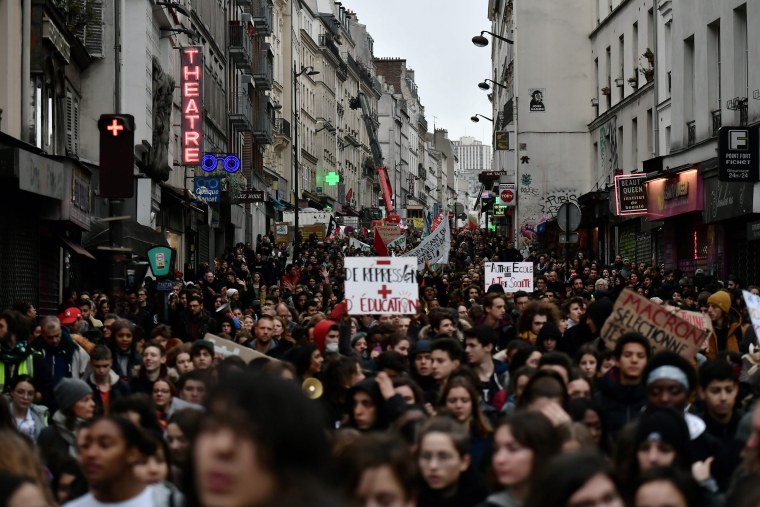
(696, 319)
(753, 307)
(434, 248)
(399, 242)
(386, 285)
(364, 247)
(389, 232)
(513, 276)
(229, 348)
(663, 329)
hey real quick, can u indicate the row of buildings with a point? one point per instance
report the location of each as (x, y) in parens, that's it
(279, 84)
(612, 88)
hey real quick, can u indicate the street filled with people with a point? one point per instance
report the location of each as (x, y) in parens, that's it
(254, 382)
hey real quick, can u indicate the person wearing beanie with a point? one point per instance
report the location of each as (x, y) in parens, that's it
(76, 406)
(727, 324)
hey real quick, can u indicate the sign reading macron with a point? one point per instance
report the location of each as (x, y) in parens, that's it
(663, 329)
(385, 285)
(513, 276)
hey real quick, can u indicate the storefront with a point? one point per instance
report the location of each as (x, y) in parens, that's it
(677, 199)
(730, 210)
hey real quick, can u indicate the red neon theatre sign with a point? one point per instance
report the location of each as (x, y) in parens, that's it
(191, 68)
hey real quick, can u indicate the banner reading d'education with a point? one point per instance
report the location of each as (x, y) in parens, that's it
(513, 276)
(381, 285)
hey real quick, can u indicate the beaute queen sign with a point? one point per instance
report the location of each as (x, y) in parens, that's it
(191, 69)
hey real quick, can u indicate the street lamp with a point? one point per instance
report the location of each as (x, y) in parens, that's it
(481, 41)
(485, 86)
(309, 71)
(476, 119)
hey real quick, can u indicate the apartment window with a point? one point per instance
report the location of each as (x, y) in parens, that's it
(634, 143)
(741, 61)
(595, 162)
(635, 53)
(714, 74)
(596, 80)
(608, 72)
(621, 64)
(620, 149)
(650, 29)
(667, 140)
(650, 133)
(667, 45)
(689, 78)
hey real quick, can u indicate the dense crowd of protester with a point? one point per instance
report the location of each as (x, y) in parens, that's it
(481, 398)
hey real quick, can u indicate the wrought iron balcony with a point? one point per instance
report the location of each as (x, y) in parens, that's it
(263, 120)
(326, 41)
(263, 64)
(262, 13)
(423, 122)
(282, 128)
(241, 117)
(240, 45)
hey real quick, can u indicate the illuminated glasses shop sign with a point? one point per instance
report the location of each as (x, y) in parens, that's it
(191, 63)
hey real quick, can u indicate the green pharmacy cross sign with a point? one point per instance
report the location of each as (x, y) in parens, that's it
(332, 178)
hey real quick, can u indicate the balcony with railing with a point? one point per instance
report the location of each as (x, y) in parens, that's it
(342, 71)
(422, 122)
(240, 45)
(262, 12)
(691, 133)
(716, 122)
(282, 128)
(263, 63)
(263, 120)
(326, 42)
(241, 117)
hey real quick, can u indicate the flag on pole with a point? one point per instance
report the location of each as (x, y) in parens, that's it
(331, 229)
(349, 196)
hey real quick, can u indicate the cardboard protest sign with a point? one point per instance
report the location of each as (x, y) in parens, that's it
(753, 307)
(385, 285)
(388, 232)
(697, 319)
(513, 276)
(434, 248)
(230, 348)
(663, 329)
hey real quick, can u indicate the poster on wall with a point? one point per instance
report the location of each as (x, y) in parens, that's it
(631, 194)
(537, 100)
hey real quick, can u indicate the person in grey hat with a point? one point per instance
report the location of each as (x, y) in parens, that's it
(76, 406)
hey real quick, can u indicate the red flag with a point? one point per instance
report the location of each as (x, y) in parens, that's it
(349, 195)
(380, 247)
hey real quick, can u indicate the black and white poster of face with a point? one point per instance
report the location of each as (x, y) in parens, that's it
(537, 100)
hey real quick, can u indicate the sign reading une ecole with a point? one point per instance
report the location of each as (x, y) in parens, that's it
(381, 285)
(738, 154)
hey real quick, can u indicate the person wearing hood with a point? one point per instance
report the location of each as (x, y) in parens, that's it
(670, 381)
(327, 337)
(64, 357)
(76, 407)
(373, 403)
(727, 324)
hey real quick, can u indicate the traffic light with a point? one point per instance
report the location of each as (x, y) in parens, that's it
(117, 159)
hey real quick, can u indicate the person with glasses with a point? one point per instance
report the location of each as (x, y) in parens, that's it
(30, 419)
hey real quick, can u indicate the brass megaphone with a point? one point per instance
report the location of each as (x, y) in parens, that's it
(312, 388)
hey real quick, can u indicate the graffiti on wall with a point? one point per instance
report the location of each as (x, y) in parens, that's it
(608, 147)
(537, 207)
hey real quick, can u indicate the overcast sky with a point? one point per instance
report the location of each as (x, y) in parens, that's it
(435, 38)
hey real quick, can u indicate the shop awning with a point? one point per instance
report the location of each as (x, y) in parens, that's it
(135, 236)
(315, 200)
(277, 204)
(349, 212)
(77, 249)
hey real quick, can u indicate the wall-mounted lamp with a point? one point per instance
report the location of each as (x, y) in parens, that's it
(481, 41)
(189, 31)
(476, 119)
(485, 86)
(177, 7)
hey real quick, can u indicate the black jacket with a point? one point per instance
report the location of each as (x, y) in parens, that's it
(622, 403)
